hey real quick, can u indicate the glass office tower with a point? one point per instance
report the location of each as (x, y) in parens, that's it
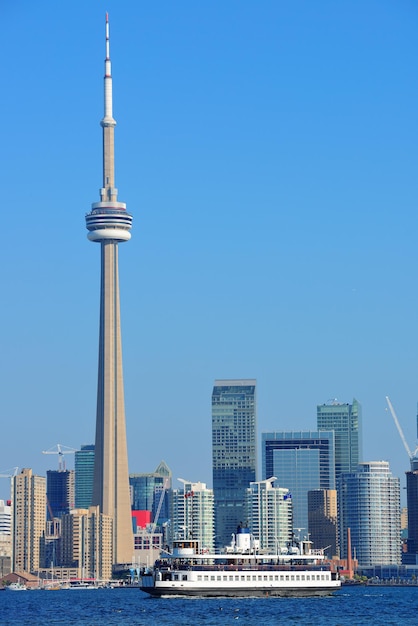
(301, 461)
(411, 556)
(84, 471)
(59, 492)
(151, 492)
(369, 504)
(234, 457)
(346, 421)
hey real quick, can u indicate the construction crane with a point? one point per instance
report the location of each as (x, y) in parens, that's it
(6, 473)
(411, 455)
(60, 450)
(160, 504)
(9, 473)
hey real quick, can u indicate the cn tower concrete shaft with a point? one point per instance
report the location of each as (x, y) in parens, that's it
(109, 224)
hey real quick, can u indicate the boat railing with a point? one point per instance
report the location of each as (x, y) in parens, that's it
(260, 567)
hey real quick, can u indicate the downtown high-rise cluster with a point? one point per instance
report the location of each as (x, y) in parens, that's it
(98, 520)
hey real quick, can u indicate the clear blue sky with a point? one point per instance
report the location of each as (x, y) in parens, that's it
(268, 153)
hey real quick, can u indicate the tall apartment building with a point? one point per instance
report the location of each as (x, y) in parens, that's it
(369, 504)
(322, 520)
(192, 514)
(269, 515)
(301, 461)
(28, 521)
(234, 452)
(60, 492)
(84, 474)
(86, 543)
(346, 422)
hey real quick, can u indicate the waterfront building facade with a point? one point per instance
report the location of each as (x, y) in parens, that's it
(86, 540)
(147, 547)
(322, 520)
(5, 538)
(269, 515)
(234, 452)
(60, 492)
(28, 521)
(369, 504)
(109, 224)
(346, 422)
(192, 515)
(84, 475)
(301, 461)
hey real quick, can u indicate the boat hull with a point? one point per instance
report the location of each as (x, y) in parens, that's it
(244, 588)
(250, 592)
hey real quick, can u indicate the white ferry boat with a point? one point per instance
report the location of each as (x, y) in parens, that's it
(241, 571)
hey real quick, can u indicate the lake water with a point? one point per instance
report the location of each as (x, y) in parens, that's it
(354, 606)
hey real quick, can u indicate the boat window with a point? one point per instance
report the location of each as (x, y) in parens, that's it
(254, 577)
(175, 577)
(297, 577)
(231, 578)
(206, 577)
(212, 577)
(264, 577)
(236, 577)
(184, 576)
(248, 577)
(303, 577)
(287, 577)
(224, 577)
(270, 577)
(199, 577)
(219, 578)
(292, 577)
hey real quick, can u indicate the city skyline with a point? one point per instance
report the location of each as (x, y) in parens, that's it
(270, 152)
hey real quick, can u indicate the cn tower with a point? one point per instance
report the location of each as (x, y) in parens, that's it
(109, 224)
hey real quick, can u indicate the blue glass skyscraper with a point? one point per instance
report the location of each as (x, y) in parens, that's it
(301, 461)
(151, 492)
(59, 492)
(234, 457)
(346, 421)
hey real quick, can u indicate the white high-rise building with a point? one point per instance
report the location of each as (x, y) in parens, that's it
(269, 511)
(192, 515)
(5, 538)
(369, 504)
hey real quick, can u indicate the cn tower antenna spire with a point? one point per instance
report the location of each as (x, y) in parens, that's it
(109, 191)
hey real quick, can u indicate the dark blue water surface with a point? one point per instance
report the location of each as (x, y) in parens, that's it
(351, 605)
